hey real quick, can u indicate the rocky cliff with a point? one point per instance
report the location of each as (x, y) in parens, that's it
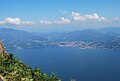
(2, 48)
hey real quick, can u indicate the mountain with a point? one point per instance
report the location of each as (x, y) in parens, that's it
(107, 37)
(84, 35)
(7, 33)
(92, 35)
(16, 39)
(111, 31)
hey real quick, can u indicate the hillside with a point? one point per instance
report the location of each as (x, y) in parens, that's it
(12, 69)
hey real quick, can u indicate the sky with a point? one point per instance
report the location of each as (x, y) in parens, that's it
(59, 15)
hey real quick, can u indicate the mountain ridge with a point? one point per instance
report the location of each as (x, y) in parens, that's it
(107, 37)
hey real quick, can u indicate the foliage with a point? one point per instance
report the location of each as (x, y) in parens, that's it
(11, 69)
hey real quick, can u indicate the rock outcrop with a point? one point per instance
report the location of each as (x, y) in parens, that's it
(2, 48)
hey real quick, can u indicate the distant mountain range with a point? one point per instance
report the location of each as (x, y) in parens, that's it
(109, 36)
(104, 34)
(12, 34)
(17, 39)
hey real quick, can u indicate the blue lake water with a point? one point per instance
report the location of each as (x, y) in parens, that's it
(74, 63)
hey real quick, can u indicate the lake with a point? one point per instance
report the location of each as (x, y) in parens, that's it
(74, 63)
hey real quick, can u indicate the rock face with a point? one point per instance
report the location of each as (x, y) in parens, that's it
(2, 48)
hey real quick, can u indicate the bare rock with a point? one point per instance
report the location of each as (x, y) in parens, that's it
(2, 48)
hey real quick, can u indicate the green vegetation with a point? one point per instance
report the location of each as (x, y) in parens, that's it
(11, 69)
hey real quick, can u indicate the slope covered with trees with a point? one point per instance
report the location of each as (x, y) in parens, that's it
(11, 69)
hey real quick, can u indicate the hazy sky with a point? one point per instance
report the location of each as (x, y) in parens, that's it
(63, 15)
